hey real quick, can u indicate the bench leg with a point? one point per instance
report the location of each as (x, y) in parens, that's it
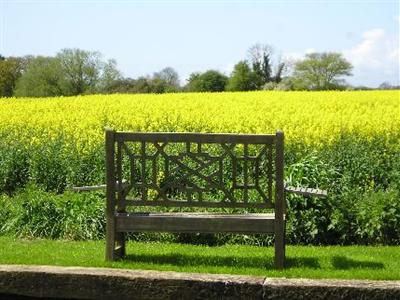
(280, 247)
(110, 239)
(120, 245)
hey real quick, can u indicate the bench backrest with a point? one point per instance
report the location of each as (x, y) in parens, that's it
(194, 169)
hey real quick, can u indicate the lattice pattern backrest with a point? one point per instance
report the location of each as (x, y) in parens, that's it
(205, 170)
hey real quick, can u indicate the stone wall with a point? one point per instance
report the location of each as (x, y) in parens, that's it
(40, 282)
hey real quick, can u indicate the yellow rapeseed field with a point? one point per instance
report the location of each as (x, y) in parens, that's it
(314, 118)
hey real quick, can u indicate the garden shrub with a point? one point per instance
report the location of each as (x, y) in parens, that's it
(14, 167)
(36, 213)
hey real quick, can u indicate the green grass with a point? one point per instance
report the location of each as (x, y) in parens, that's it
(355, 262)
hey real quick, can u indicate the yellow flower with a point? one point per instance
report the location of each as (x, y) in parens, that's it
(312, 118)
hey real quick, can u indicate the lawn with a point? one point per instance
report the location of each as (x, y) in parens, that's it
(355, 262)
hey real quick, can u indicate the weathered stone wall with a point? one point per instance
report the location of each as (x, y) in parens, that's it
(98, 283)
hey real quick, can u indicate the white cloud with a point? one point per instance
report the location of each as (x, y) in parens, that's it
(310, 50)
(376, 58)
(376, 51)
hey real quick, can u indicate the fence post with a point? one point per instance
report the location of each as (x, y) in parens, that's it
(110, 194)
(279, 203)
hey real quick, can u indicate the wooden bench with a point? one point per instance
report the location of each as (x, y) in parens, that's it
(232, 173)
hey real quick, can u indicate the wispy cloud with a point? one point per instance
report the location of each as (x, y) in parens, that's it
(376, 51)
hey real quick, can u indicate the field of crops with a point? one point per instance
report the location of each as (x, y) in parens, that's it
(346, 142)
(315, 118)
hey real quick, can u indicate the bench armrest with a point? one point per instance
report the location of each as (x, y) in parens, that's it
(87, 188)
(307, 192)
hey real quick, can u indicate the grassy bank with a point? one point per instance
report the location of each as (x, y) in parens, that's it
(351, 262)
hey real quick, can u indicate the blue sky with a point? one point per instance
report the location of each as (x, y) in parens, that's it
(146, 36)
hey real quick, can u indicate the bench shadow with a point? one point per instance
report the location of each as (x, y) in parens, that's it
(225, 261)
(345, 263)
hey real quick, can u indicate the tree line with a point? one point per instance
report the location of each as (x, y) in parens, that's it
(78, 72)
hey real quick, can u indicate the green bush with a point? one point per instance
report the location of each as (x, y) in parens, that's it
(308, 219)
(378, 217)
(14, 167)
(369, 218)
(50, 165)
(372, 217)
(36, 213)
(362, 178)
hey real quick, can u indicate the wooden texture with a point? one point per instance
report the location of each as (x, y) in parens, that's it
(195, 137)
(279, 204)
(183, 170)
(307, 192)
(168, 203)
(110, 194)
(234, 174)
(236, 170)
(89, 188)
(191, 223)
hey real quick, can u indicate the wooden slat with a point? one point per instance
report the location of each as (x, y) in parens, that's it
(245, 173)
(89, 188)
(307, 192)
(279, 203)
(143, 171)
(120, 236)
(110, 193)
(206, 204)
(207, 223)
(270, 172)
(119, 250)
(195, 137)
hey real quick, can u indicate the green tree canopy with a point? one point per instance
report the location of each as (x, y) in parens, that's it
(267, 67)
(209, 81)
(82, 69)
(10, 70)
(169, 75)
(321, 71)
(43, 78)
(166, 81)
(242, 78)
(260, 61)
(109, 75)
(71, 72)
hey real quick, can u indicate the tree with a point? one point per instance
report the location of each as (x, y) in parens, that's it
(280, 69)
(209, 81)
(10, 70)
(387, 86)
(169, 75)
(43, 78)
(109, 75)
(322, 71)
(71, 72)
(265, 65)
(260, 60)
(82, 70)
(165, 81)
(242, 78)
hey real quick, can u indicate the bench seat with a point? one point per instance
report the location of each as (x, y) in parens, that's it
(195, 222)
